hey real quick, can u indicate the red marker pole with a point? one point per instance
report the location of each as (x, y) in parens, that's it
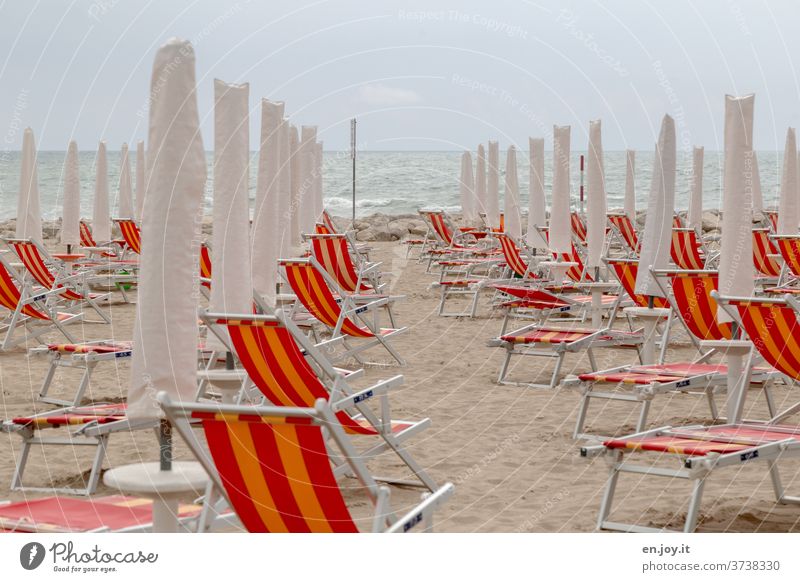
(581, 191)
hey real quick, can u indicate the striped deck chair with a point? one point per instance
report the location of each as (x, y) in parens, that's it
(626, 271)
(577, 272)
(343, 316)
(29, 312)
(623, 226)
(72, 287)
(789, 249)
(110, 513)
(578, 227)
(772, 217)
(274, 467)
(278, 358)
(765, 253)
(518, 265)
(450, 240)
(89, 244)
(82, 356)
(686, 250)
(328, 223)
(85, 426)
(555, 342)
(205, 269)
(333, 253)
(130, 233)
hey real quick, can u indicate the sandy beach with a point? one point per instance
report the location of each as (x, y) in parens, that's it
(508, 450)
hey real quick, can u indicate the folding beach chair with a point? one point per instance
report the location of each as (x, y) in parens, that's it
(765, 254)
(273, 465)
(52, 275)
(90, 245)
(344, 317)
(578, 227)
(86, 426)
(28, 311)
(130, 233)
(687, 250)
(554, 342)
(623, 226)
(111, 513)
(327, 221)
(517, 264)
(288, 369)
(577, 272)
(772, 220)
(81, 356)
(789, 249)
(626, 271)
(332, 251)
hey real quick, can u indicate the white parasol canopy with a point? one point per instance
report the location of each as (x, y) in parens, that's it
(493, 186)
(736, 247)
(560, 237)
(29, 215)
(466, 189)
(140, 178)
(319, 204)
(537, 205)
(284, 192)
(788, 202)
(596, 204)
(694, 218)
(125, 208)
(231, 286)
(71, 211)
(513, 220)
(308, 136)
(630, 184)
(101, 217)
(480, 181)
(758, 196)
(295, 171)
(657, 236)
(265, 235)
(165, 330)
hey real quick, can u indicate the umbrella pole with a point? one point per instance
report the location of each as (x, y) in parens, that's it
(165, 445)
(69, 249)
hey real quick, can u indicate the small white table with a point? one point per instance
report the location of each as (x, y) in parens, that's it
(558, 269)
(597, 289)
(165, 488)
(228, 382)
(650, 319)
(737, 381)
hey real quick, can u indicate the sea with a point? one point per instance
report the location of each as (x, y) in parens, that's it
(397, 182)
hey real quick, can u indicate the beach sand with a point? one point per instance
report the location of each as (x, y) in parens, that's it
(508, 450)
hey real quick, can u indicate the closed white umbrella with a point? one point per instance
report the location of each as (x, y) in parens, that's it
(513, 221)
(265, 236)
(29, 215)
(466, 189)
(657, 236)
(758, 195)
(308, 135)
(231, 286)
(125, 207)
(537, 205)
(788, 203)
(736, 245)
(596, 204)
(560, 238)
(493, 186)
(71, 213)
(140, 178)
(480, 181)
(295, 171)
(694, 217)
(165, 330)
(319, 204)
(284, 193)
(630, 184)
(101, 217)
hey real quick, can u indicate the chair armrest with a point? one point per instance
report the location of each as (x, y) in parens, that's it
(423, 513)
(378, 389)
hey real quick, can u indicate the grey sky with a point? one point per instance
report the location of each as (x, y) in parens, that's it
(419, 74)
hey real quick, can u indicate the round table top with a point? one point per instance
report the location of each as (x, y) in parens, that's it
(149, 480)
(69, 256)
(647, 311)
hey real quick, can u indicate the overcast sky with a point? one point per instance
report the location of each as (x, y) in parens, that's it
(422, 74)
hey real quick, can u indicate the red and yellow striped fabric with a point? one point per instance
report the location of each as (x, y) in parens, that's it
(677, 221)
(104, 348)
(624, 226)
(313, 292)
(578, 226)
(131, 234)
(320, 228)
(87, 240)
(328, 222)
(626, 271)
(576, 272)
(513, 257)
(545, 335)
(277, 367)
(205, 265)
(775, 332)
(278, 476)
(10, 296)
(762, 248)
(789, 247)
(773, 219)
(99, 413)
(34, 263)
(333, 254)
(439, 225)
(693, 301)
(685, 249)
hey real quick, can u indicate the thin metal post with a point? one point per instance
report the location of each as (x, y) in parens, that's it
(165, 444)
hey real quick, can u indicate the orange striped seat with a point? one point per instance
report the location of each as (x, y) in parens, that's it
(626, 271)
(545, 335)
(332, 252)
(624, 226)
(763, 247)
(99, 413)
(131, 234)
(320, 228)
(686, 249)
(513, 257)
(327, 221)
(789, 248)
(10, 297)
(773, 219)
(87, 240)
(691, 293)
(98, 348)
(576, 272)
(645, 375)
(34, 262)
(205, 266)
(578, 226)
